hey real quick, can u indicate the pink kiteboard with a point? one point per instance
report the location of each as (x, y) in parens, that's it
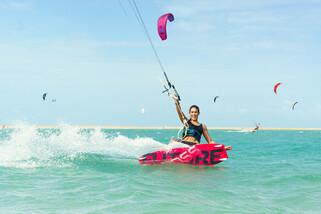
(201, 154)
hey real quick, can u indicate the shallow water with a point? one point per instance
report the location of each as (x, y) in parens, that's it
(73, 170)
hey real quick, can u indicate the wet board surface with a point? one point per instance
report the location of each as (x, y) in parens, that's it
(201, 154)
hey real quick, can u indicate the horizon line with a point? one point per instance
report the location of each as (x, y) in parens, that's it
(44, 126)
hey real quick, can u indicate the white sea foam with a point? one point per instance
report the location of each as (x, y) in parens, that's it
(28, 147)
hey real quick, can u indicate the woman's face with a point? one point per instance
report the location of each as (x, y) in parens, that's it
(193, 113)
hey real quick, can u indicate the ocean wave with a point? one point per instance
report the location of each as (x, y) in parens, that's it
(27, 146)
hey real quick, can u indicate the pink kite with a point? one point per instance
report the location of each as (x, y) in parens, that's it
(161, 24)
(277, 86)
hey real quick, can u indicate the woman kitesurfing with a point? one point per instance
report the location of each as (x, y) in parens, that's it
(206, 154)
(193, 129)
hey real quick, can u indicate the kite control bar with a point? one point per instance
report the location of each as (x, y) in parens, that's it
(170, 86)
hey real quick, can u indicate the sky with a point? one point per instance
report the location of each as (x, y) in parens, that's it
(94, 58)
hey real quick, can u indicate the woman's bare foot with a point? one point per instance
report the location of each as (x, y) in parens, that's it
(228, 147)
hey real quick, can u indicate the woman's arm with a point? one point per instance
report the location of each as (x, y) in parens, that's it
(206, 135)
(210, 140)
(180, 113)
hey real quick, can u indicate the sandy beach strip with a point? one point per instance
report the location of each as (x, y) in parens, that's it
(113, 127)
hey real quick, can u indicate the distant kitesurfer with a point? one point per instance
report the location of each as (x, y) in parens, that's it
(193, 129)
(257, 126)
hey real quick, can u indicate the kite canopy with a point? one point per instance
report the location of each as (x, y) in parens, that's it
(276, 86)
(44, 96)
(215, 98)
(294, 105)
(161, 25)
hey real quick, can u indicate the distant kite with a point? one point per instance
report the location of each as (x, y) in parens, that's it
(142, 110)
(276, 86)
(161, 25)
(294, 105)
(53, 100)
(44, 96)
(215, 98)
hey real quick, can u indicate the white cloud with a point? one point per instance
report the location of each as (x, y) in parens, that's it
(185, 8)
(256, 17)
(243, 15)
(125, 44)
(14, 5)
(193, 27)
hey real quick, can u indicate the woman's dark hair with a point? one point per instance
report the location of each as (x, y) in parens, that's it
(194, 106)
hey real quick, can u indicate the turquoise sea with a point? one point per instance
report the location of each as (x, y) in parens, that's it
(73, 170)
